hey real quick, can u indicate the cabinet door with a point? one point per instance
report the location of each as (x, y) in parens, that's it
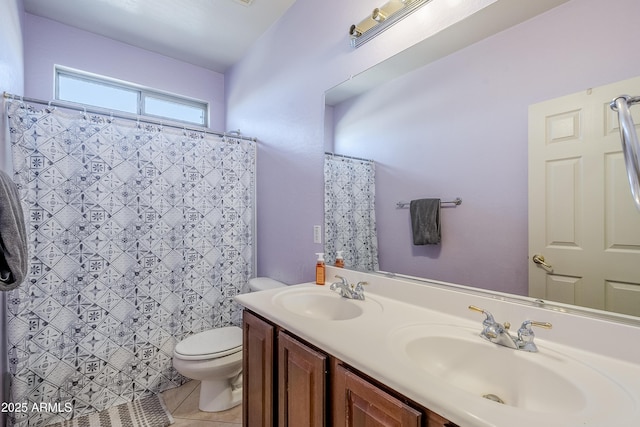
(436, 420)
(358, 403)
(301, 384)
(258, 385)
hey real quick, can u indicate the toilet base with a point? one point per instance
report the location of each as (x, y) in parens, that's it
(216, 396)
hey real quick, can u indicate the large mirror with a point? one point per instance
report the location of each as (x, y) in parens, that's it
(458, 126)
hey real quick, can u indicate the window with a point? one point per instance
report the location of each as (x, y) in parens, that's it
(89, 89)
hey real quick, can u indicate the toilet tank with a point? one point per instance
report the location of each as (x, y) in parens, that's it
(264, 283)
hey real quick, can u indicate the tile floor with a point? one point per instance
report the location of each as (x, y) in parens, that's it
(182, 402)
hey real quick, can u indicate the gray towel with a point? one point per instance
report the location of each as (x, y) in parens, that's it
(425, 221)
(13, 236)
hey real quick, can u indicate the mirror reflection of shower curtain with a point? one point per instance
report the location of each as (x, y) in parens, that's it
(139, 235)
(349, 211)
(630, 144)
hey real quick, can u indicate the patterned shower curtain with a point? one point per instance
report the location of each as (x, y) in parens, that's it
(139, 236)
(349, 211)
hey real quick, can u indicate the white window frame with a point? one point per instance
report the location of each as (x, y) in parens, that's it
(141, 91)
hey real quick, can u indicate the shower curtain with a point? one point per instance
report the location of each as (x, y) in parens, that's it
(140, 235)
(349, 211)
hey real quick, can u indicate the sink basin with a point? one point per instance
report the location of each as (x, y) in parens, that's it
(543, 382)
(323, 304)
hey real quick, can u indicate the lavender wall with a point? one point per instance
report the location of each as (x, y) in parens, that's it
(11, 63)
(465, 116)
(11, 54)
(277, 93)
(49, 43)
(12, 81)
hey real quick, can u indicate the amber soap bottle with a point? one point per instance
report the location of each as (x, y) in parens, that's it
(339, 259)
(320, 269)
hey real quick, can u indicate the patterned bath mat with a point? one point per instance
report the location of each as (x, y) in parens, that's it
(146, 412)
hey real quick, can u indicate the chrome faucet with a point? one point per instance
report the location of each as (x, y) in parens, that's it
(348, 291)
(499, 334)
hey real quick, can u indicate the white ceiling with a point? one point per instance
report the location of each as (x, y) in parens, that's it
(213, 34)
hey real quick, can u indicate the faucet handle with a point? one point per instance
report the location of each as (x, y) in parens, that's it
(489, 320)
(527, 324)
(525, 328)
(342, 279)
(335, 285)
(526, 335)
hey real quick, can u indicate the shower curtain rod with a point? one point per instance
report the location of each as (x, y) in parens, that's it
(349, 157)
(121, 115)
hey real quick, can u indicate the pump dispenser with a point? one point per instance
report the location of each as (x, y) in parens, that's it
(339, 259)
(320, 269)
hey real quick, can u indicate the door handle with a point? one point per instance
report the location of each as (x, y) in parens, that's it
(539, 259)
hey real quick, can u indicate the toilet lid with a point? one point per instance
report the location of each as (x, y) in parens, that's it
(210, 344)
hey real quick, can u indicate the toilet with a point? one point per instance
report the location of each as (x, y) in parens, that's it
(215, 358)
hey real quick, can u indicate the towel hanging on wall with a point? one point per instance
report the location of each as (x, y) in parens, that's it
(425, 221)
(13, 236)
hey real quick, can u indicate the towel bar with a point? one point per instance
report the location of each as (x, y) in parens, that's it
(457, 201)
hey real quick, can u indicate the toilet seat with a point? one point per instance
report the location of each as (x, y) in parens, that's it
(210, 344)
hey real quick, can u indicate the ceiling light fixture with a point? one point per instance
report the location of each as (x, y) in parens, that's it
(378, 15)
(382, 18)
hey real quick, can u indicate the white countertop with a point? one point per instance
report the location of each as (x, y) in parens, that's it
(608, 351)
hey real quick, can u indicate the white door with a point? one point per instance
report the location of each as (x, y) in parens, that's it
(582, 219)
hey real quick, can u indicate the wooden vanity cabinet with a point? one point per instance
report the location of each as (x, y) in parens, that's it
(302, 383)
(278, 365)
(258, 384)
(359, 403)
(287, 382)
(435, 420)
